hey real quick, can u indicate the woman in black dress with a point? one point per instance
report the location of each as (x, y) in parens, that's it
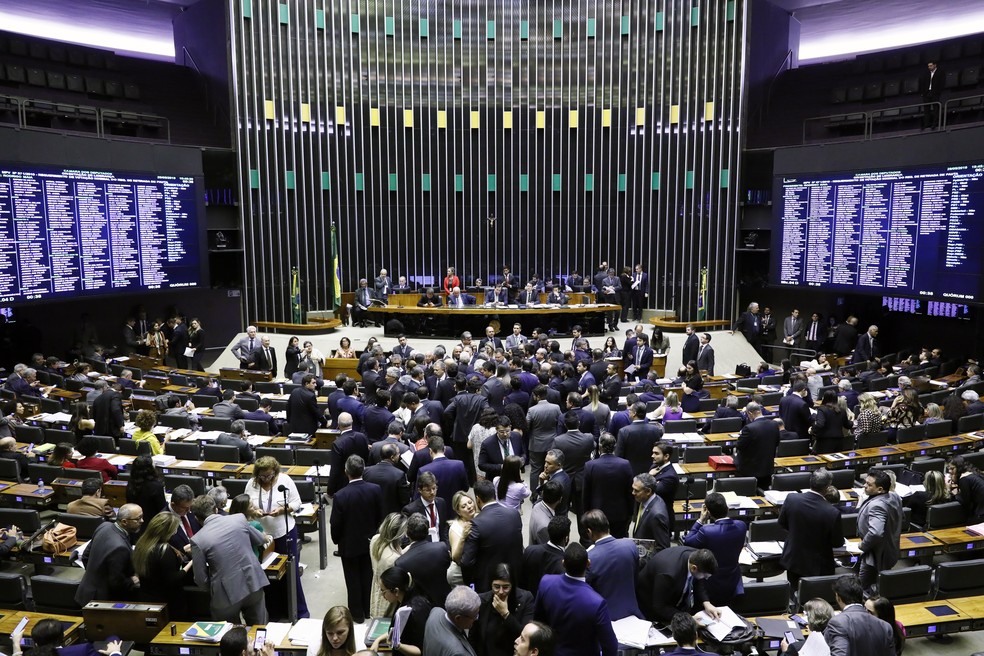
(196, 340)
(399, 592)
(625, 292)
(830, 424)
(163, 570)
(145, 487)
(505, 610)
(292, 357)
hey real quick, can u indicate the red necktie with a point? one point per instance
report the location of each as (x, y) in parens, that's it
(187, 526)
(433, 516)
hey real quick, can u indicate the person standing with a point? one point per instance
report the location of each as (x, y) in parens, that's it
(792, 329)
(814, 334)
(725, 538)
(768, 332)
(243, 350)
(931, 83)
(755, 450)
(496, 536)
(196, 341)
(179, 342)
(867, 347)
(879, 527)
(640, 291)
(813, 531)
(750, 325)
(690, 346)
(109, 572)
(303, 415)
(854, 631)
(541, 420)
(614, 562)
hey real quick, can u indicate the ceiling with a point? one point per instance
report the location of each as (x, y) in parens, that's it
(830, 29)
(834, 29)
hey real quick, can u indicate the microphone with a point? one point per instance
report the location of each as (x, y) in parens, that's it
(317, 463)
(281, 488)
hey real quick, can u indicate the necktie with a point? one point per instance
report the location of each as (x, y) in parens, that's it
(637, 518)
(505, 449)
(266, 354)
(187, 526)
(638, 356)
(433, 515)
(813, 331)
(687, 598)
(251, 344)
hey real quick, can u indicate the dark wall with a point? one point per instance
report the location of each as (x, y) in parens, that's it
(201, 42)
(773, 32)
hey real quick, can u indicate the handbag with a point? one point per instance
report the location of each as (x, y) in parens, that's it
(744, 370)
(58, 539)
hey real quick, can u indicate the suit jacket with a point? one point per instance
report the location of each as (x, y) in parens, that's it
(577, 614)
(451, 477)
(403, 351)
(392, 483)
(576, 447)
(542, 421)
(661, 582)
(938, 83)
(356, 513)
(750, 325)
(108, 567)
(352, 405)
(496, 536)
(466, 299)
(493, 636)
(608, 487)
(855, 632)
(230, 439)
(107, 412)
(814, 531)
(442, 638)
(642, 360)
(705, 359)
(635, 444)
(654, 523)
(879, 527)
(180, 537)
(792, 328)
(303, 415)
(262, 363)
(462, 414)
(845, 338)
(428, 564)
(614, 563)
(527, 298)
(690, 348)
(667, 482)
(227, 410)
(347, 444)
(179, 339)
(495, 393)
(224, 560)
(376, 422)
(383, 287)
(444, 515)
(795, 414)
(435, 299)
(538, 560)
(866, 349)
(756, 448)
(242, 349)
(376, 449)
(91, 506)
(725, 538)
(490, 457)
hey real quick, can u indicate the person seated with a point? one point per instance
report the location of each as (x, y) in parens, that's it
(818, 613)
(497, 295)
(236, 436)
(429, 299)
(125, 379)
(88, 447)
(236, 642)
(728, 408)
(92, 501)
(402, 286)
(61, 456)
(48, 636)
(247, 391)
(8, 450)
(457, 299)
(557, 297)
(883, 609)
(263, 414)
(146, 421)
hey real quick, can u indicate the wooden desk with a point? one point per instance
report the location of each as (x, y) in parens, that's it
(165, 644)
(873, 456)
(244, 374)
(958, 539)
(214, 470)
(115, 491)
(452, 321)
(764, 508)
(704, 470)
(723, 440)
(920, 620)
(142, 362)
(10, 619)
(912, 545)
(180, 389)
(28, 495)
(800, 463)
(64, 395)
(973, 606)
(937, 446)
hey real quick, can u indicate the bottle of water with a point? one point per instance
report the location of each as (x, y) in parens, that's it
(41, 485)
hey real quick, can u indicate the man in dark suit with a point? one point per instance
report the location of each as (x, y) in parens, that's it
(652, 519)
(356, 513)
(180, 505)
(264, 357)
(390, 478)
(673, 581)
(546, 558)
(795, 411)
(663, 472)
(639, 291)
(845, 336)
(383, 286)
(450, 474)
(614, 563)
(814, 335)
(107, 412)
(577, 448)
(705, 355)
(636, 441)
(490, 338)
(813, 531)
(750, 325)
(377, 418)
(440, 386)
(351, 404)
(495, 448)
(360, 306)
(868, 347)
(179, 342)
(427, 561)
(792, 329)
(109, 570)
(854, 630)
(608, 486)
(691, 346)
(493, 388)
(577, 614)
(402, 348)
(458, 300)
(394, 436)
(641, 358)
(234, 437)
(553, 470)
(461, 415)
(611, 389)
(432, 507)
(528, 296)
(348, 443)
(845, 389)
(879, 527)
(496, 536)
(541, 419)
(725, 537)
(303, 415)
(931, 84)
(497, 295)
(755, 451)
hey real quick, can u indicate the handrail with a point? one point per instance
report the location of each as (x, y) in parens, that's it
(844, 114)
(118, 114)
(869, 115)
(946, 105)
(775, 76)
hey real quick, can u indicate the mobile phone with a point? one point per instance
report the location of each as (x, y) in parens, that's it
(20, 626)
(260, 640)
(790, 638)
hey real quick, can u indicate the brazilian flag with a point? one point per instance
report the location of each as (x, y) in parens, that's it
(295, 295)
(702, 296)
(336, 283)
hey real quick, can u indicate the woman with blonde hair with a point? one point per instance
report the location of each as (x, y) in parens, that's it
(337, 634)
(869, 418)
(669, 409)
(384, 548)
(601, 411)
(459, 528)
(162, 568)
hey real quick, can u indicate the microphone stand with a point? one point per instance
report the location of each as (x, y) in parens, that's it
(322, 502)
(291, 563)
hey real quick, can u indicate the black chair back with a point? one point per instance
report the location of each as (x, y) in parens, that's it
(308, 457)
(766, 530)
(184, 450)
(130, 447)
(55, 595)
(9, 470)
(698, 489)
(873, 440)
(196, 483)
(695, 454)
(235, 486)
(24, 519)
(765, 598)
(223, 424)
(945, 515)
(13, 591)
(220, 453)
(960, 579)
(680, 426)
(257, 426)
(283, 456)
(174, 421)
(58, 436)
(911, 434)
(725, 425)
(811, 587)
(789, 448)
(906, 585)
(939, 429)
(791, 481)
(746, 486)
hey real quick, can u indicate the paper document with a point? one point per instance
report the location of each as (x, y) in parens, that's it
(400, 618)
(320, 470)
(815, 645)
(766, 548)
(634, 632)
(272, 556)
(721, 627)
(277, 631)
(407, 457)
(305, 632)
(776, 497)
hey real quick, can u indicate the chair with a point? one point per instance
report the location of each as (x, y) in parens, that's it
(51, 405)
(708, 405)
(970, 423)
(203, 400)
(791, 481)
(283, 456)
(695, 454)
(196, 483)
(46, 473)
(849, 525)
(811, 587)
(235, 486)
(220, 453)
(305, 490)
(73, 385)
(130, 447)
(766, 530)
(746, 486)
(29, 434)
(843, 479)
(85, 525)
(960, 579)
(945, 515)
(766, 598)
(257, 426)
(26, 520)
(698, 489)
(873, 440)
(880, 384)
(223, 424)
(174, 421)
(57, 436)
(307, 457)
(13, 591)
(788, 448)
(82, 474)
(183, 450)
(897, 468)
(55, 595)
(680, 426)
(725, 425)
(939, 429)
(246, 403)
(911, 434)
(927, 465)
(105, 443)
(9, 470)
(906, 585)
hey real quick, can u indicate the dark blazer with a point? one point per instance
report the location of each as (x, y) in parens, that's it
(560, 476)
(654, 524)
(352, 405)
(690, 348)
(462, 414)
(180, 538)
(667, 482)
(795, 414)
(725, 538)
(108, 567)
(866, 348)
(107, 412)
(303, 415)
(151, 498)
(614, 563)
(444, 515)
(635, 444)
(260, 362)
(490, 453)
(661, 582)
(611, 391)
(466, 299)
(230, 439)
(576, 447)
(419, 459)
(750, 325)
(705, 359)
(577, 614)
(493, 636)
(428, 564)
(356, 513)
(451, 477)
(495, 393)
(855, 631)
(376, 449)
(845, 337)
(814, 528)
(392, 483)
(496, 536)
(756, 448)
(347, 444)
(608, 487)
(540, 559)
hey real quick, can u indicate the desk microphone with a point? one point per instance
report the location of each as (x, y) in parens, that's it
(281, 488)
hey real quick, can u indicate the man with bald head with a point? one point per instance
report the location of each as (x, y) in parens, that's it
(348, 443)
(868, 347)
(458, 300)
(108, 563)
(243, 350)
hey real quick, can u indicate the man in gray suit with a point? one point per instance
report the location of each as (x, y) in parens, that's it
(652, 519)
(108, 564)
(792, 329)
(224, 561)
(879, 527)
(243, 350)
(444, 634)
(542, 421)
(855, 632)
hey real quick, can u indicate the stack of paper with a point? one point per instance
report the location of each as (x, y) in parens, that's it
(179, 433)
(206, 436)
(322, 470)
(633, 632)
(307, 631)
(776, 497)
(163, 460)
(207, 631)
(735, 501)
(766, 548)
(721, 627)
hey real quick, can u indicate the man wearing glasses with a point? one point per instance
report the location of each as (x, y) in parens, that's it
(445, 634)
(109, 570)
